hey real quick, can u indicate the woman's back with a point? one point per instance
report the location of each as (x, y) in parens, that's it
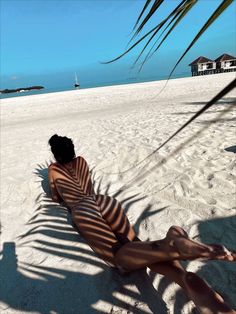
(70, 182)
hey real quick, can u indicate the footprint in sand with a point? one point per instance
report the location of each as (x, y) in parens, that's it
(181, 189)
(210, 200)
(209, 179)
(231, 165)
(210, 176)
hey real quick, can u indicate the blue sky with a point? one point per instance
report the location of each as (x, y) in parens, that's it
(44, 42)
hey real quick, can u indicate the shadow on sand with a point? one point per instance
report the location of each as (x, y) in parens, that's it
(224, 101)
(231, 149)
(60, 288)
(29, 286)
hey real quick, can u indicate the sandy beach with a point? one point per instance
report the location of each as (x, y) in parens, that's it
(45, 266)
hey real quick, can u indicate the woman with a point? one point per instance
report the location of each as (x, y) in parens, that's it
(102, 222)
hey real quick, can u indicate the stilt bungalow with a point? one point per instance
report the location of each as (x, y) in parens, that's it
(204, 66)
(225, 63)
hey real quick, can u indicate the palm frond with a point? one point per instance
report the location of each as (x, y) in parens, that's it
(135, 44)
(174, 17)
(153, 9)
(142, 12)
(154, 30)
(220, 9)
(172, 20)
(175, 12)
(177, 18)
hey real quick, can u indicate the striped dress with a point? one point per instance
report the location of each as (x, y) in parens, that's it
(99, 218)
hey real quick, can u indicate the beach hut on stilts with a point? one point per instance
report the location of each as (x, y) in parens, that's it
(205, 66)
(202, 66)
(225, 63)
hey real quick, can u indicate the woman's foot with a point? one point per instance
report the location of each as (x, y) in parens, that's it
(182, 248)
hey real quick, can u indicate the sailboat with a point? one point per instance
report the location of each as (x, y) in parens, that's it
(76, 85)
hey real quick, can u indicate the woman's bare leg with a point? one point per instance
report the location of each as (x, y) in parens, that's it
(175, 246)
(206, 299)
(135, 255)
(101, 238)
(173, 270)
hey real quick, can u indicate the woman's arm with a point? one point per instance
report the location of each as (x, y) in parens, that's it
(54, 193)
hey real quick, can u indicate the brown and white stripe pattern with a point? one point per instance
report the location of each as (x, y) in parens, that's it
(99, 218)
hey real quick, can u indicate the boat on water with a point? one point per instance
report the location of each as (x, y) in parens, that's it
(76, 85)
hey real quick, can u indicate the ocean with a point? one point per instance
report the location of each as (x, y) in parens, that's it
(87, 85)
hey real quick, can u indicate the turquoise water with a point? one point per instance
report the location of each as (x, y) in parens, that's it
(85, 86)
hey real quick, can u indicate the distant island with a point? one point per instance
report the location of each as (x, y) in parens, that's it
(20, 90)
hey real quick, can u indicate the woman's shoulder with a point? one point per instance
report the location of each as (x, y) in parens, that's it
(81, 161)
(80, 158)
(53, 165)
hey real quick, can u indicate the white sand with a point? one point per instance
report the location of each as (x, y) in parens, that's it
(190, 182)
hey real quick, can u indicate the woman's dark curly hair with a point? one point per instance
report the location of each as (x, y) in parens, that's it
(62, 148)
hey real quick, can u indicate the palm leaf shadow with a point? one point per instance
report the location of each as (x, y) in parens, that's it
(231, 149)
(224, 101)
(50, 226)
(117, 284)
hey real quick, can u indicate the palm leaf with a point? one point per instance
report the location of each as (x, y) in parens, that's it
(135, 44)
(213, 17)
(184, 7)
(178, 17)
(179, 12)
(155, 30)
(153, 9)
(175, 12)
(142, 12)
